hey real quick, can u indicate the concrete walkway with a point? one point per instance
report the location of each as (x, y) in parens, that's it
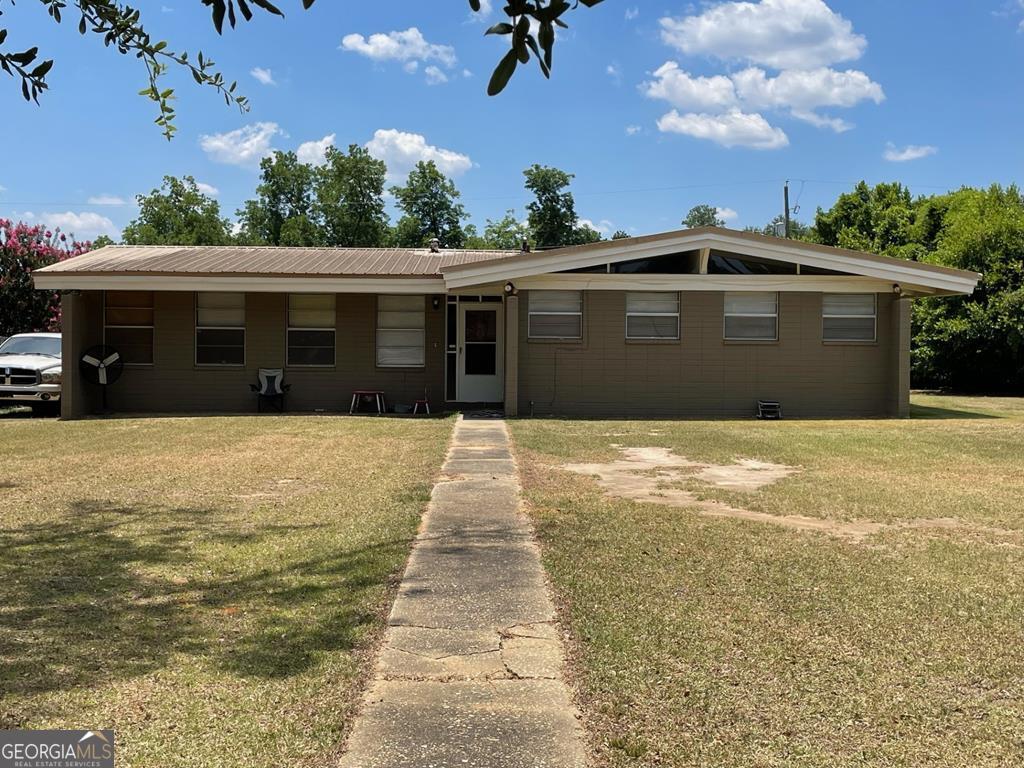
(470, 672)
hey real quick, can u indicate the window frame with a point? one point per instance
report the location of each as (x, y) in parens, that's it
(198, 327)
(873, 316)
(151, 327)
(677, 315)
(289, 328)
(748, 339)
(377, 330)
(530, 313)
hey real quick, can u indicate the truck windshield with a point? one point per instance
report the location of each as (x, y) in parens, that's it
(31, 345)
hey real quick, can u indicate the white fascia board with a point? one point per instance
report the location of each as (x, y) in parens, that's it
(780, 283)
(894, 272)
(115, 282)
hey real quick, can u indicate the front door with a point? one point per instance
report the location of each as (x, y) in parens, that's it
(481, 354)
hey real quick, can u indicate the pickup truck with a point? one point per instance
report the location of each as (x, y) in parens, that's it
(30, 371)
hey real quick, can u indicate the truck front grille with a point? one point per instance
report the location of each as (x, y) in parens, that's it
(18, 377)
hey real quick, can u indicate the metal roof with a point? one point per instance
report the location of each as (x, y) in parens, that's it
(270, 260)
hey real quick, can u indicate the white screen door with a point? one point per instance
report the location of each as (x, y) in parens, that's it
(481, 353)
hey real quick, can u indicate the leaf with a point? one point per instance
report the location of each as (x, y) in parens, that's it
(502, 28)
(502, 73)
(42, 69)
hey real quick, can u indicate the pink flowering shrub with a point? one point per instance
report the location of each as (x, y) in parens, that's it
(23, 248)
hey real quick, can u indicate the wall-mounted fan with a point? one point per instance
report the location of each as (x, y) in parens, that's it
(101, 365)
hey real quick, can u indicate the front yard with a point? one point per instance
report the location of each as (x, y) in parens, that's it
(211, 588)
(701, 637)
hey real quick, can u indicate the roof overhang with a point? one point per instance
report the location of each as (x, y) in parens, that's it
(118, 281)
(911, 276)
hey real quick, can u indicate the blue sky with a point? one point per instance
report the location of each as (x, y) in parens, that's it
(654, 106)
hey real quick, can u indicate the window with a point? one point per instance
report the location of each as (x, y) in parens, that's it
(311, 323)
(401, 334)
(848, 317)
(652, 315)
(556, 314)
(220, 329)
(751, 316)
(721, 263)
(128, 325)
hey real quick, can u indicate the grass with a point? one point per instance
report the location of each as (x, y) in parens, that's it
(211, 588)
(722, 642)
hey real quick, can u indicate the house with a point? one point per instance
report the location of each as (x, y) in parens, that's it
(695, 323)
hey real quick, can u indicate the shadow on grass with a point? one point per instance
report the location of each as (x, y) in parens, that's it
(935, 412)
(99, 595)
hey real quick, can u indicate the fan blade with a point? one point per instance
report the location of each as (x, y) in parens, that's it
(112, 359)
(103, 376)
(90, 360)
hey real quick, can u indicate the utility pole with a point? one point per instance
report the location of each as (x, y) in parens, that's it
(785, 195)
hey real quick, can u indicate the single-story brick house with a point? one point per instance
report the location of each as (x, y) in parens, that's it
(695, 323)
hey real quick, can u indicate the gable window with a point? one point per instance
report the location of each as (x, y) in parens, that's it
(128, 325)
(311, 329)
(401, 331)
(848, 317)
(751, 316)
(220, 329)
(556, 314)
(652, 315)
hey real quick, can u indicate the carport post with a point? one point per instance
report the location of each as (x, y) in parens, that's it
(72, 314)
(511, 356)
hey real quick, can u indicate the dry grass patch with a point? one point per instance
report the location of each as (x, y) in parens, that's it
(730, 642)
(208, 587)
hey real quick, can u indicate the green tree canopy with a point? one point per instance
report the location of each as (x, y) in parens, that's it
(552, 212)
(282, 213)
(703, 215)
(177, 214)
(349, 191)
(507, 233)
(430, 202)
(621, 234)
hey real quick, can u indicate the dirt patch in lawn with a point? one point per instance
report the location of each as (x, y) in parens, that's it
(658, 476)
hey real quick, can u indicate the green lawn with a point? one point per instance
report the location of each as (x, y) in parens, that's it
(211, 588)
(708, 641)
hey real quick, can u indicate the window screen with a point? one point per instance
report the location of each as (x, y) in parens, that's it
(401, 331)
(848, 317)
(556, 314)
(751, 316)
(128, 325)
(220, 329)
(652, 315)
(312, 318)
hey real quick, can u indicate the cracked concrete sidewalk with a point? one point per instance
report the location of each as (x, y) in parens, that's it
(470, 674)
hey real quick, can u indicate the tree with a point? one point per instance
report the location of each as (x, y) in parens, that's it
(703, 215)
(101, 242)
(969, 343)
(121, 26)
(177, 214)
(776, 228)
(349, 190)
(507, 233)
(282, 213)
(621, 235)
(552, 213)
(586, 234)
(429, 201)
(23, 248)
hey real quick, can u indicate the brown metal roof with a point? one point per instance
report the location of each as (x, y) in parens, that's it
(268, 260)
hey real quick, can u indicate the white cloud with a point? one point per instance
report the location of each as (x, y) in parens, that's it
(467, 73)
(106, 200)
(726, 214)
(435, 75)
(910, 152)
(680, 89)
(633, 130)
(731, 129)
(312, 152)
(409, 45)
(85, 225)
(207, 189)
(604, 227)
(3, 188)
(799, 92)
(632, 13)
(614, 72)
(264, 76)
(784, 34)
(401, 151)
(486, 7)
(245, 146)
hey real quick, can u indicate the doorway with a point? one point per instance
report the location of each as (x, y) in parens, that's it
(481, 355)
